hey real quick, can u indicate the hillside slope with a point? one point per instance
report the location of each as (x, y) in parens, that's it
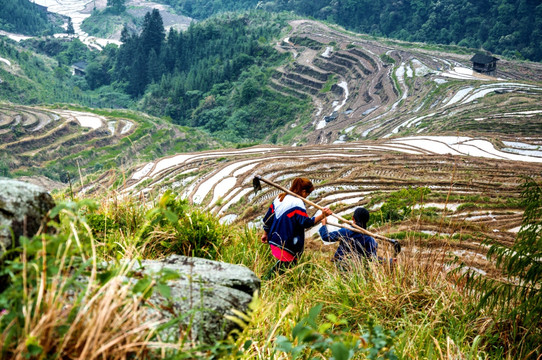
(420, 102)
(362, 88)
(64, 143)
(390, 120)
(471, 194)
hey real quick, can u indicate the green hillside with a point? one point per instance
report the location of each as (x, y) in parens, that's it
(417, 309)
(508, 27)
(25, 17)
(158, 141)
(214, 75)
(40, 72)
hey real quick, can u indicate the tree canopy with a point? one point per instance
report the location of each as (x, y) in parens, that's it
(508, 27)
(25, 17)
(213, 75)
(116, 6)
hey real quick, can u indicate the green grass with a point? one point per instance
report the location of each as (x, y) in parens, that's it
(396, 83)
(419, 311)
(387, 59)
(331, 80)
(291, 134)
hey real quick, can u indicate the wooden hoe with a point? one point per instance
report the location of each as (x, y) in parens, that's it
(257, 186)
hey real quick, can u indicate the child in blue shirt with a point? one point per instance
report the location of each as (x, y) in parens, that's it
(351, 242)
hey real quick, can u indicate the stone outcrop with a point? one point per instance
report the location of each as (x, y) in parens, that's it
(206, 292)
(43, 182)
(23, 206)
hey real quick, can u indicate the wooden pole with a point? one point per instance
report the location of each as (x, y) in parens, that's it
(354, 226)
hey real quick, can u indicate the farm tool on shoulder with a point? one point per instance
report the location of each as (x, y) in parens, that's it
(256, 183)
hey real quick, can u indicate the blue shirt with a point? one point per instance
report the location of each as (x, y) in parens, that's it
(350, 243)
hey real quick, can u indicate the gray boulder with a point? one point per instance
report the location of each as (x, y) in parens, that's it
(206, 292)
(23, 207)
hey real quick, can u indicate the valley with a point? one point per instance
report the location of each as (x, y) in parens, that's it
(152, 148)
(386, 117)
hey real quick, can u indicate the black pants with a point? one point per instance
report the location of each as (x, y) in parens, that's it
(279, 268)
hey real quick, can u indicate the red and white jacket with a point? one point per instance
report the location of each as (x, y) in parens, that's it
(285, 223)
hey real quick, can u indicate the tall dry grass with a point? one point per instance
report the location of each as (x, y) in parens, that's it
(415, 297)
(67, 312)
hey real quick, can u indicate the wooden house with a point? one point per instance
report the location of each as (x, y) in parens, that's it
(484, 64)
(79, 68)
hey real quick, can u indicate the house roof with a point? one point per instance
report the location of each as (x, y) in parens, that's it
(483, 59)
(80, 65)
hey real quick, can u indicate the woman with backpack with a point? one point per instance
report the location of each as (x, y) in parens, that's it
(285, 223)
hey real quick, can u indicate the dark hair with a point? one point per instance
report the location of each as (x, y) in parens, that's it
(298, 185)
(361, 217)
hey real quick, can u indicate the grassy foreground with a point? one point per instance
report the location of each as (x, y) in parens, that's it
(415, 310)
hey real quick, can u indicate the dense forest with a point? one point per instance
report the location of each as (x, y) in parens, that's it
(47, 78)
(25, 17)
(213, 75)
(512, 28)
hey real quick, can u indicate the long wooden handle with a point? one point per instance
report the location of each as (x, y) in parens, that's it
(349, 222)
(344, 227)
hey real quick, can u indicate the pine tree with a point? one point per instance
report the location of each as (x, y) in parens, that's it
(69, 29)
(138, 75)
(517, 300)
(153, 33)
(125, 34)
(153, 66)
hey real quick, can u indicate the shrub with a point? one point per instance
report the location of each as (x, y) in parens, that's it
(399, 205)
(467, 206)
(101, 223)
(387, 59)
(517, 300)
(310, 338)
(172, 227)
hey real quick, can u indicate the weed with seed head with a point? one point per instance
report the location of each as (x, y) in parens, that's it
(61, 303)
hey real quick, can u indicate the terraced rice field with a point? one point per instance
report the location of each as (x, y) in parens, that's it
(53, 142)
(474, 187)
(362, 88)
(36, 135)
(387, 116)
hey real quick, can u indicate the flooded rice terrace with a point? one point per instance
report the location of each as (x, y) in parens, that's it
(473, 188)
